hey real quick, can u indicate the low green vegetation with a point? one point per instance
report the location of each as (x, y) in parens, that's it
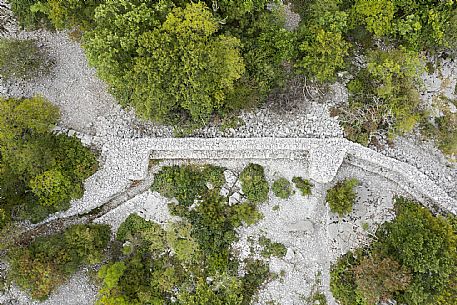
(22, 59)
(40, 171)
(342, 196)
(281, 188)
(413, 260)
(444, 131)
(253, 183)
(187, 183)
(47, 262)
(271, 248)
(188, 261)
(303, 185)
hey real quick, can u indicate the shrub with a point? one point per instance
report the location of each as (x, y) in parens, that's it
(342, 280)
(303, 185)
(22, 59)
(272, 248)
(28, 18)
(254, 184)
(187, 183)
(322, 45)
(51, 188)
(446, 133)
(48, 261)
(425, 244)
(323, 54)
(282, 188)
(342, 196)
(69, 13)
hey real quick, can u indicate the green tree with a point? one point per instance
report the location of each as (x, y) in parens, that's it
(51, 188)
(375, 15)
(425, 244)
(378, 278)
(177, 62)
(322, 47)
(69, 13)
(413, 260)
(48, 261)
(41, 171)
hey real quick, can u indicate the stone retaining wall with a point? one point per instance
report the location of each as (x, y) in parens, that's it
(127, 159)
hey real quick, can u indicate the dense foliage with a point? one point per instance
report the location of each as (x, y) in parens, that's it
(342, 196)
(188, 261)
(49, 261)
(253, 183)
(209, 61)
(22, 59)
(60, 14)
(40, 171)
(413, 260)
(180, 63)
(281, 188)
(379, 42)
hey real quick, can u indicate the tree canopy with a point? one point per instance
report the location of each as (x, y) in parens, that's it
(413, 261)
(40, 171)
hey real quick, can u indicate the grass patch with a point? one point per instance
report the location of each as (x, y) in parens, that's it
(282, 188)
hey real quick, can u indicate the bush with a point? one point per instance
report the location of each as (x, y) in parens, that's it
(48, 261)
(28, 18)
(322, 45)
(303, 185)
(282, 188)
(444, 131)
(187, 183)
(425, 244)
(22, 59)
(380, 278)
(69, 13)
(390, 82)
(342, 196)
(253, 183)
